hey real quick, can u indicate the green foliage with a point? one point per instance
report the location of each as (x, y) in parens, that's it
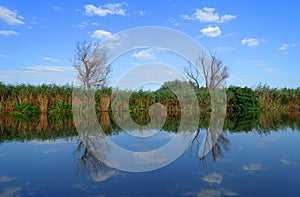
(245, 121)
(61, 111)
(241, 100)
(54, 99)
(26, 108)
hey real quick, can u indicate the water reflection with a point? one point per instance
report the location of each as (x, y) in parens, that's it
(214, 144)
(87, 165)
(265, 157)
(43, 126)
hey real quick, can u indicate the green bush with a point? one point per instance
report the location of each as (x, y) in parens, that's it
(26, 108)
(241, 100)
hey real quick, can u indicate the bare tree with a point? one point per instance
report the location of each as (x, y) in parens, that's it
(210, 69)
(91, 64)
(215, 143)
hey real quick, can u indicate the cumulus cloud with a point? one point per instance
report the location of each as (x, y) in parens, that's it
(10, 17)
(285, 46)
(211, 31)
(213, 178)
(107, 9)
(207, 15)
(101, 34)
(8, 33)
(251, 42)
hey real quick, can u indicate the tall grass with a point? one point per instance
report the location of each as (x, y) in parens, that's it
(57, 100)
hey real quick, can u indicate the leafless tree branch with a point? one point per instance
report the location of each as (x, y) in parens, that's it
(90, 62)
(210, 69)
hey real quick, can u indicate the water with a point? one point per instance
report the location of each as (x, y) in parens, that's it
(252, 163)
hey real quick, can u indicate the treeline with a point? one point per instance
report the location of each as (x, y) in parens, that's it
(57, 100)
(26, 128)
(51, 99)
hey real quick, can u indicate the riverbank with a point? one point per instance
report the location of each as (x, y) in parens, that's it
(57, 100)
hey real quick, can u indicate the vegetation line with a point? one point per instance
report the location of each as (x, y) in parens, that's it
(57, 100)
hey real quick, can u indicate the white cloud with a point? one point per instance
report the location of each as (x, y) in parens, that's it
(101, 34)
(8, 33)
(207, 15)
(104, 10)
(226, 17)
(50, 59)
(49, 68)
(285, 46)
(211, 31)
(251, 42)
(252, 167)
(145, 54)
(213, 178)
(10, 17)
(2, 55)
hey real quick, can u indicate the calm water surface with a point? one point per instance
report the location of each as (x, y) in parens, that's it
(242, 164)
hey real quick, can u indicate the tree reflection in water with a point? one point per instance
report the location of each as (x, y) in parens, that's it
(215, 143)
(87, 164)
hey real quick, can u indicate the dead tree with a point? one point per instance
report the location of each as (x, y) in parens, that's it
(90, 63)
(208, 68)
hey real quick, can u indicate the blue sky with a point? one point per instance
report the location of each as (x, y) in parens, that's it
(258, 40)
